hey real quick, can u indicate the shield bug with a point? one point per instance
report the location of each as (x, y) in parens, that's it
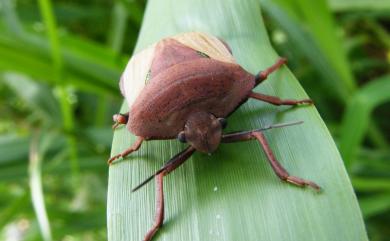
(191, 85)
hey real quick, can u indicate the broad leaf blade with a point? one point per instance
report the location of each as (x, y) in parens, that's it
(233, 194)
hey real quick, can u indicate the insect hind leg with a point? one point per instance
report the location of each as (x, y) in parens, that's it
(276, 100)
(262, 75)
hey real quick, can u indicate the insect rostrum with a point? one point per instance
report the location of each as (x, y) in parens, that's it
(192, 84)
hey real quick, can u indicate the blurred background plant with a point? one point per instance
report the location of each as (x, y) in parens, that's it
(59, 68)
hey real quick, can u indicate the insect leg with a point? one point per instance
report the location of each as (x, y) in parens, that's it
(134, 147)
(169, 166)
(276, 166)
(262, 75)
(159, 218)
(276, 100)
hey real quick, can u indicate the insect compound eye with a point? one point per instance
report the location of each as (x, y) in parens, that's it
(182, 137)
(223, 122)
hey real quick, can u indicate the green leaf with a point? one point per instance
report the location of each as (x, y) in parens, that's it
(371, 184)
(89, 66)
(35, 181)
(36, 95)
(349, 5)
(13, 147)
(302, 40)
(118, 26)
(64, 94)
(310, 27)
(233, 194)
(375, 204)
(318, 21)
(356, 119)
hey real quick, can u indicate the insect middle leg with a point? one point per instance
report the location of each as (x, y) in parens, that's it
(276, 100)
(276, 166)
(262, 75)
(137, 144)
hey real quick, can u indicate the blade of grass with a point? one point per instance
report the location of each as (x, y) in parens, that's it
(365, 5)
(318, 43)
(375, 204)
(10, 17)
(115, 42)
(37, 96)
(84, 57)
(38, 68)
(13, 147)
(308, 46)
(10, 212)
(370, 184)
(381, 33)
(51, 28)
(233, 194)
(356, 119)
(63, 91)
(118, 26)
(87, 65)
(316, 16)
(35, 180)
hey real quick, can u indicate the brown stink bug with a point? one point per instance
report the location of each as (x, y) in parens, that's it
(191, 84)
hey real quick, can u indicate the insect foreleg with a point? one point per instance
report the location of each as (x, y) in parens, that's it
(137, 144)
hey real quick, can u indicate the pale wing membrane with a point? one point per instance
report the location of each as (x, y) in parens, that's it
(140, 64)
(137, 69)
(207, 44)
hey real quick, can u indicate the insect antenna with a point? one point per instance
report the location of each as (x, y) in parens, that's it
(170, 165)
(147, 180)
(280, 125)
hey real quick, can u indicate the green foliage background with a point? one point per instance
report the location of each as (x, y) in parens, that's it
(59, 68)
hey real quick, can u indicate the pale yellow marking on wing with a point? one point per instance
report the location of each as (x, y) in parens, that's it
(135, 73)
(207, 44)
(137, 68)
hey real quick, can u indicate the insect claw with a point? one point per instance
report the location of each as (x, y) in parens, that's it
(306, 101)
(314, 186)
(109, 162)
(303, 183)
